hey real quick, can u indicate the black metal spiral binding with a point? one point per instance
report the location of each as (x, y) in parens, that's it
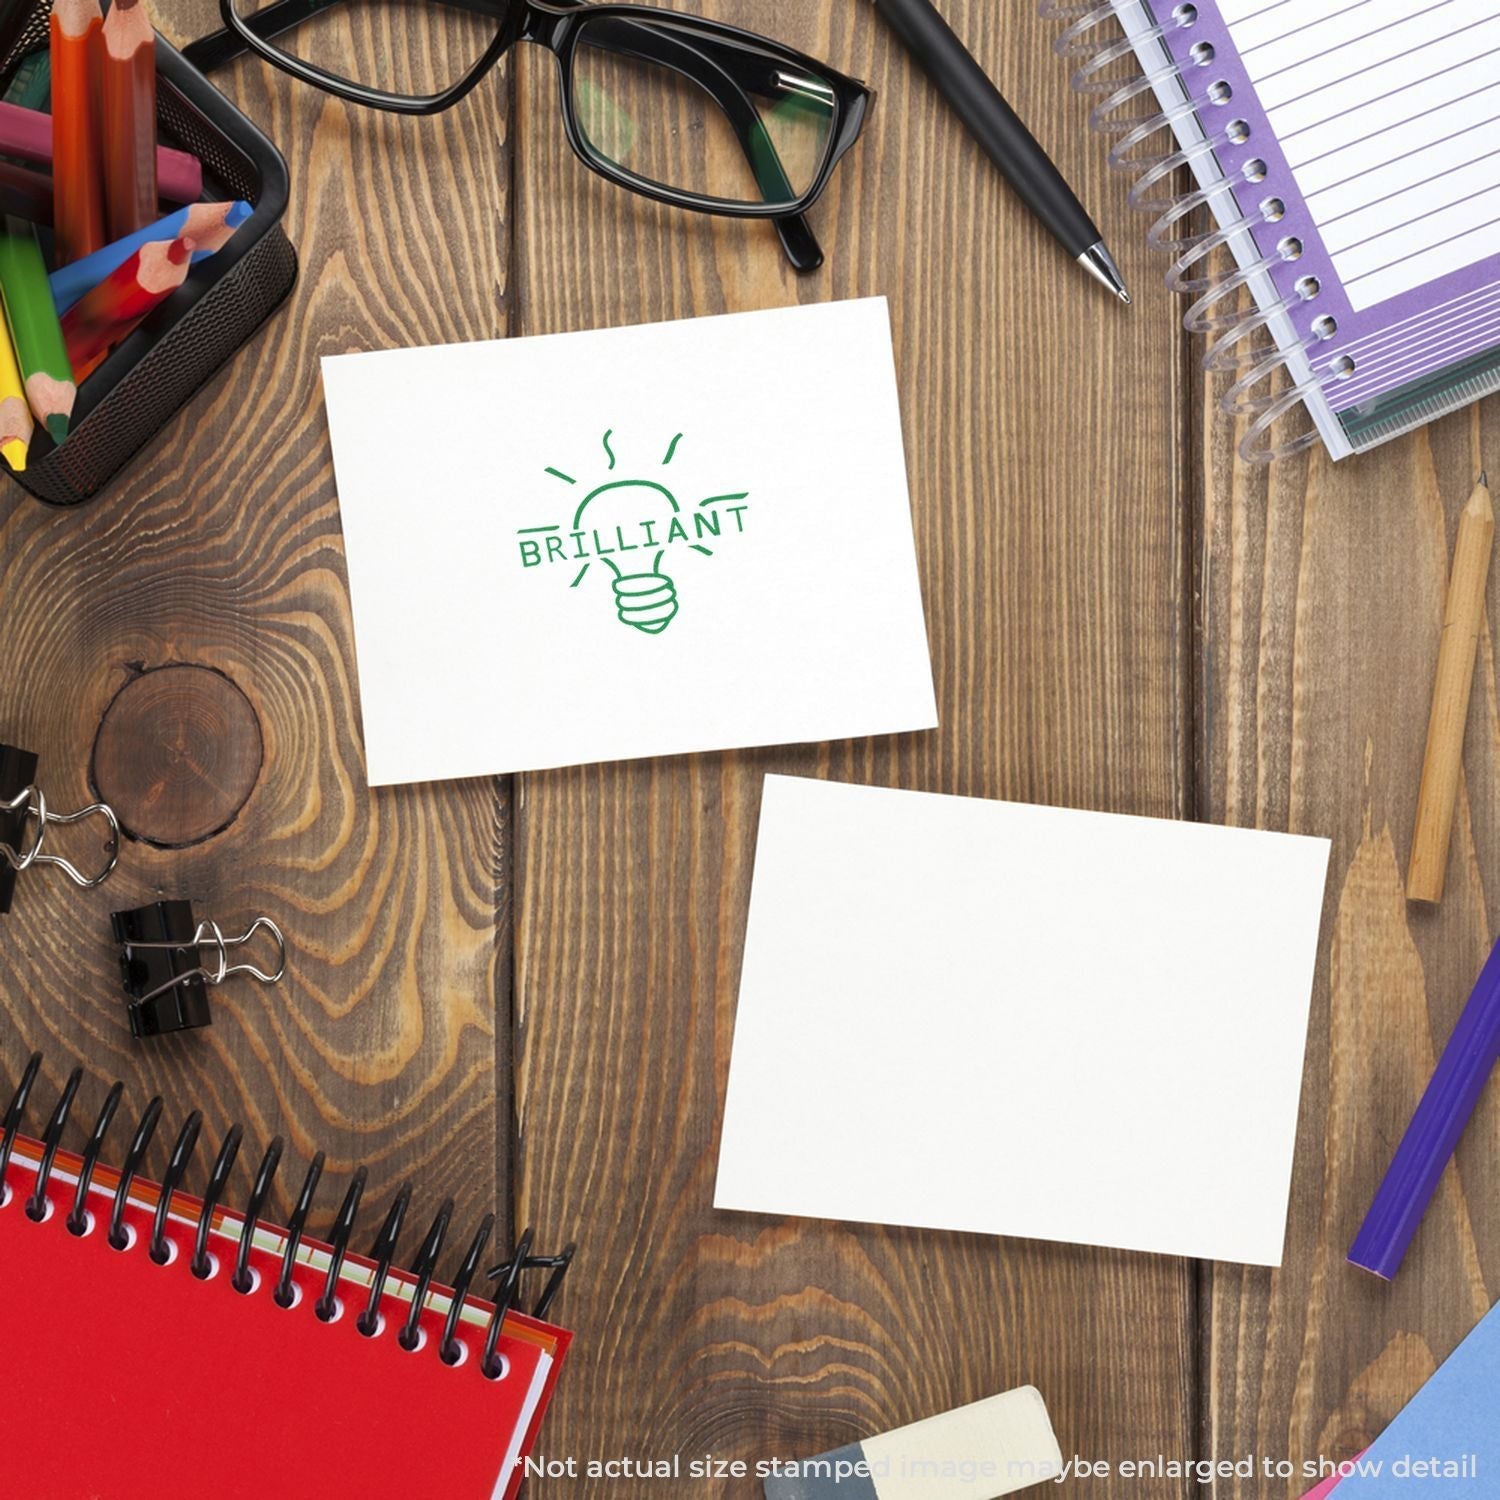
(422, 1268)
(202, 1263)
(118, 1239)
(504, 1300)
(242, 1281)
(338, 1241)
(78, 1218)
(450, 1351)
(558, 1265)
(36, 1208)
(13, 1116)
(182, 1153)
(284, 1295)
(383, 1254)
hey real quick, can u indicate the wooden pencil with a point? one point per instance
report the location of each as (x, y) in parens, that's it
(25, 193)
(34, 329)
(99, 320)
(128, 91)
(1463, 619)
(28, 195)
(78, 182)
(16, 425)
(208, 225)
(26, 135)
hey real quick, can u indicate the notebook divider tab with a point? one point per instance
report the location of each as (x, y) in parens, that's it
(1180, 58)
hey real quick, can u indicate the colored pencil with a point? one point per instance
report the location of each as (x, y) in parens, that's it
(1463, 622)
(77, 173)
(16, 425)
(98, 321)
(128, 119)
(208, 225)
(26, 134)
(1433, 1135)
(25, 193)
(34, 328)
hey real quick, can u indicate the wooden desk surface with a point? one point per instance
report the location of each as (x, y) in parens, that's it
(521, 991)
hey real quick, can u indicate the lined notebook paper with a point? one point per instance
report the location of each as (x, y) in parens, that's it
(1357, 143)
(1388, 114)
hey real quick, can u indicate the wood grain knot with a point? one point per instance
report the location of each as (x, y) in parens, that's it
(178, 753)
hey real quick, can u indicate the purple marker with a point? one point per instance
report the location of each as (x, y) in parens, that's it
(1433, 1135)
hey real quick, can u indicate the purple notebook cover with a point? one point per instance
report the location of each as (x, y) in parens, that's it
(1420, 331)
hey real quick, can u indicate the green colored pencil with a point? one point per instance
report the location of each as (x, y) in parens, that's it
(34, 328)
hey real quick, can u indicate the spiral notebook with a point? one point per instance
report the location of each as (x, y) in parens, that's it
(138, 1380)
(1348, 152)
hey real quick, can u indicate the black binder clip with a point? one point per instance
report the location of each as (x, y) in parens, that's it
(162, 960)
(25, 820)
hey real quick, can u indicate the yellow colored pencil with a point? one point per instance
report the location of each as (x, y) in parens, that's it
(16, 423)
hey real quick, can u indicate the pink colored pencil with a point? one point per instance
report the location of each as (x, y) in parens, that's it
(26, 135)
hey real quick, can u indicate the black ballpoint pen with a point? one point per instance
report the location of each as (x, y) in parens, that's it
(1006, 141)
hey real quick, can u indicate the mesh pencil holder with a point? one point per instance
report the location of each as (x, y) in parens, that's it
(165, 362)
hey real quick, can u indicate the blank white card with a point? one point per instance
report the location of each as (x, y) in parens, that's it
(1017, 1020)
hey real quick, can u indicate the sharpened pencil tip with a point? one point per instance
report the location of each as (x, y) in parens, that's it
(1484, 478)
(57, 427)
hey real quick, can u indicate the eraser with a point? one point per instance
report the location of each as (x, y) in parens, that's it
(977, 1452)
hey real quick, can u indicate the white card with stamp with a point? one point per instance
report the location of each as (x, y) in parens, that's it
(642, 541)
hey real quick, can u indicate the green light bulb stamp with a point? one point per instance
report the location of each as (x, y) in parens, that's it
(631, 526)
(647, 599)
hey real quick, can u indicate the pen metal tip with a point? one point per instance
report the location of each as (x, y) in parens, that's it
(1100, 264)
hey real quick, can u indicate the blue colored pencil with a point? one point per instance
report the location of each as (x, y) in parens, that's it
(207, 224)
(1433, 1135)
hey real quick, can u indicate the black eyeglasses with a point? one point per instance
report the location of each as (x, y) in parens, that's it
(679, 109)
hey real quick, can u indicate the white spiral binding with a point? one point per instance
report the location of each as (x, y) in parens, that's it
(1210, 313)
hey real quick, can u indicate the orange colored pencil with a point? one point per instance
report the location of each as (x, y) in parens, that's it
(78, 181)
(99, 320)
(128, 119)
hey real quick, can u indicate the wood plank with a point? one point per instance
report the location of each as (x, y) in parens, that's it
(222, 550)
(1044, 449)
(1322, 607)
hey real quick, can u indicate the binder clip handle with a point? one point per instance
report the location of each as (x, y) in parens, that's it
(220, 969)
(223, 969)
(30, 805)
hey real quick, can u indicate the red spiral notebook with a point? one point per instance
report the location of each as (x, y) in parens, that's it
(130, 1380)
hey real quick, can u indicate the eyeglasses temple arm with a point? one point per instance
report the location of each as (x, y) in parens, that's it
(798, 241)
(618, 35)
